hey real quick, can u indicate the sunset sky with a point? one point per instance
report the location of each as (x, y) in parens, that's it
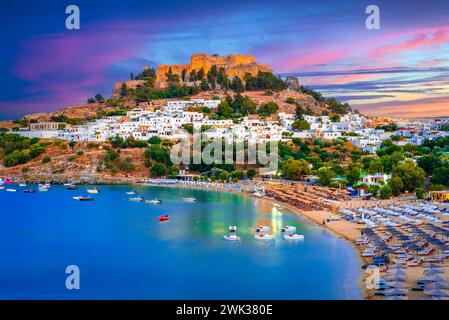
(401, 70)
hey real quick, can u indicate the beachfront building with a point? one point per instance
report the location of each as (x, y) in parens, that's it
(375, 179)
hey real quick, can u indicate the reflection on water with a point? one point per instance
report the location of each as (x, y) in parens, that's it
(124, 252)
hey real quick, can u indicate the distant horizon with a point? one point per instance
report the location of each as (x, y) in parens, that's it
(398, 71)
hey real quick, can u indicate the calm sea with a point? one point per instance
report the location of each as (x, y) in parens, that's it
(123, 252)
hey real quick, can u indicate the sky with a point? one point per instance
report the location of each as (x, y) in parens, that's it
(400, 70)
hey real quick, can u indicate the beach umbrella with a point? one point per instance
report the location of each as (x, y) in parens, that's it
(395, 292)
(397, 273)
(397, 284)
(436, 293)
(436, 285)
(432, 298)
(396, 298)
(433, 272)
(396, 279)
(435, 279)
(432, 265)
(396, 267)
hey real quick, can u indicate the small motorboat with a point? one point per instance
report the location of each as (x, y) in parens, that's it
(93, 191)
(164, 218)
(81, 198)
(131, 192)
(42, 189)
(231, 237)
(293, 237)
(154, 201)
(71, 187)
(232, 228)
(136, 199)
(262, 229)
(22, 185)
(11, 190)
(29, 191)
(263, 236)
(288, 229)
(2, 188)
(189, 199)
(44, 185)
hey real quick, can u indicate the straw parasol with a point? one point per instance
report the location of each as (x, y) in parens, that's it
(436, 285)
(396, 279)
(397, 284)
(396, 267)
(398, 273)
(436, 293)
(435, 279)
(433, 272)
(395, 292)
(396, 298)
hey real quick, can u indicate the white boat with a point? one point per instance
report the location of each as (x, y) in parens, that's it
(131, 192)
(44, 185)
(136, 199)
(288, 229)
(11, 190)
(22, 185)
(154, 201)
(81, 198)
(189, 199)
(263, 236)
(93, 191)
(42, 189)
(231, 237)
(262, 229)
(2, 188)
(232, 228)
(293, 237)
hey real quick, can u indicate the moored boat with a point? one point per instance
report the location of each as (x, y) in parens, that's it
(71, 187)
(293, 237)
(154, 201)
(288, 229)
(29, 191)
(164, 218)
(22, 185)
(11, 190)
(262, 229)
(93, 191)
(189, 199)
(136, 199)
(131, 192)
(263, 236)
(232, 228)
(231, 237)
(81, 198)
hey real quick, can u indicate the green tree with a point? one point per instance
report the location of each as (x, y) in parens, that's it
(237, 85)
(268, 108)
(300, 125)
(294, 169)
(250, 173)
(46, 160)
(325, 175)
(396, 185)
(224, 109)
(386, 192)
(157, 170)
(419, 192)
(237, 175)
(154, 140)
(412, 176)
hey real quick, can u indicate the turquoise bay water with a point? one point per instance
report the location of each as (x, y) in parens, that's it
(123, 252)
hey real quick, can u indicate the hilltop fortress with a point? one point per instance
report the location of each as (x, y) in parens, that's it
(233, 64)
